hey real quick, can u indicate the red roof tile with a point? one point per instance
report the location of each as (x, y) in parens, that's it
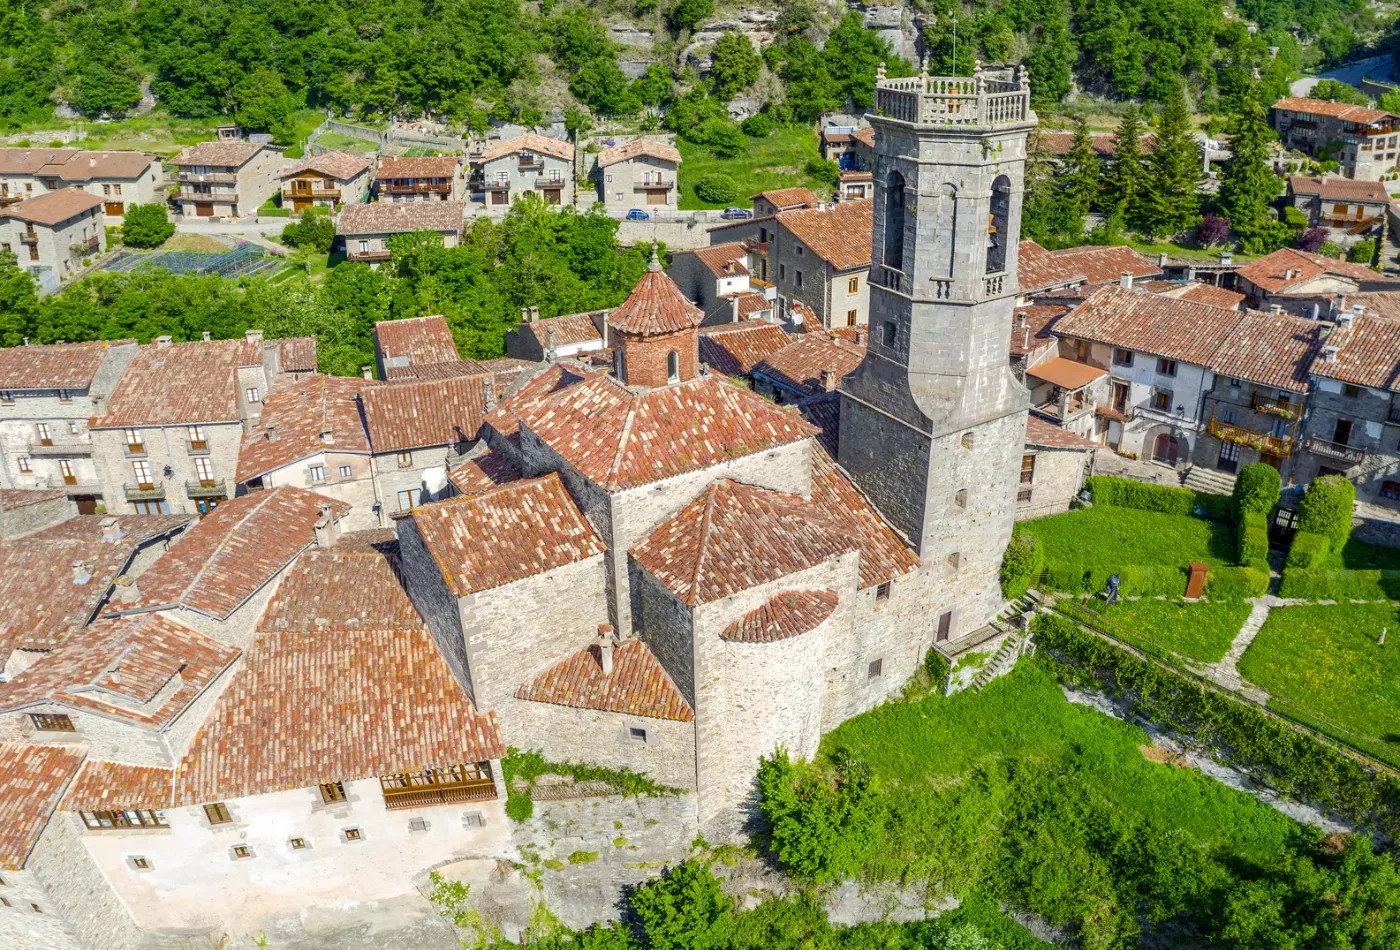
(1213, 296)
(177, 384)
(801, 363)
(55, 207)
(40, 603)
(1381, 303)
(824, 412)
(12, 499)
(405, 344)
(1039, 269)
(1368, 354)
(135, 528)
(1031, 327)
(1287, 268)
(724, 260)
(483, 473)
(401, 217)
(554, 378)
(529, 142)
(1043, 434)
(1339, 189)
(1336, 110)
(789, 614)
(297, 354)
(417, 415)
(1149, 323)
(341, 166)
(218, 153)
(839, 235)
(638, 684)
(735, 348)
(781, 198)
(568, 329)
(1271, 350)
(884, 555)
(295, 423)
(341, 589)
(638, 147)
(428, 166)
(865, 136)
(32, 780)
(656, 305)
(107, 786)
(1066, 373)
(56, 366)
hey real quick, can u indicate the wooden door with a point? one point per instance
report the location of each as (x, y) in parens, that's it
(1166, 449)
(656, 197)
(204, 209)
(87, 505)
(945, 626)
(300, 204)
(114, 208)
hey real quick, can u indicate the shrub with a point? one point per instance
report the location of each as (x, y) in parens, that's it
(1311, 240)
(146, 226)
(1362, 251)
(314, 230)
(716, 188)
(1128, 493)
(1212, 230)
(1149, 580)
(1253, 531)
(1308, 550)
(723, 137)
(685, 910)
(519, 807)
(823, 170)
(1256, 489)
(936, 666)
(1067, 577)
(1295, 218)
(757, 126)
(1021, 564)
(1236, 583)
(1320, 584)
(1327, 508)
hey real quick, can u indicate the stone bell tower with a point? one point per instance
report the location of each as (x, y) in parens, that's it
(933, 421)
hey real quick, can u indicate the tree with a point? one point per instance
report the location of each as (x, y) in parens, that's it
(685, 910)
(733, 65)
(1334, 91)
(1080, 181)
(716, 188)
(19, 302)
(687, 14)
(1127, 173)
(146, 226)
(1248, 184)
(1311, 240)
(853, 54)
(1362, 252)
(811, 89)
(1212, 231)
(265, 105)
(1173, 185)
(314, 230)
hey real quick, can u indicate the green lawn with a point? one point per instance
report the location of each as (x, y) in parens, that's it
(1323, 662)
(1358, 555)
(157, 132)
(1112, 537)
(1199, 631)
(778, 161)
(346, 144)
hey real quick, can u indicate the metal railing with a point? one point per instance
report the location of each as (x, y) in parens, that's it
(654, 185)
(224, 177)
(190, 194)
(1276, 407)
(1335, 451)
(205, 488)
(28, 237)
(417, 188)
(53, 449)
(143, 492)
(1263, 441)
(382, 255)
(1170, 418)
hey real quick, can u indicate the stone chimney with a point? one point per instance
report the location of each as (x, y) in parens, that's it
(860, 338)
(81, 574)
(327, 528)
(550, 353)
(162, 342)
(605, 648)
(205, 336)
(829, 381)
(534, 314)
(253, 336)
(1125, 280)
(1329, 353)
(1162, 259)
(1226, 257)
(270, 432)
(127, 590)
(367, 372)
(603, 315)
(111, 528)
(489, 396)
(734, 309)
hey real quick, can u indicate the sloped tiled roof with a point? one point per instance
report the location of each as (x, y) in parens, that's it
(400, 217)
(40, 604)
(751, 303)
(297, 354)
(781, 198)
(1336, 110)
(555, 378)
(1271, 350)
(341, 166)
(1213, 296)
(177, 384)
(619, 439)
(1066, 373)
(73, 165)
(1149, 323)
(637, 686)
(428, 166)
(1289, 267)
(483, 473)
(55, 207)
(801, 363)
(1381, 303)
(217, 153)
(294, 421)
(824, 412)
(1339, 189)
(529, 142)
(55, 366)
(734, 537)
(884, 555)
(355, 589)
(136, 529)
(789, 614)
(736, 348)
(656, 305)
(865, 136)
(569, 328)
(493, 538)
(839, 235)
(237, 548)
(406, 344)
(12, 499)
(1036, 333)
(120, 669)
(1039, 269)
(1044, 434)
(1368, 354)
(102, 786)
(636, 148)
(32, 780)
(419, 414)
(723, 260)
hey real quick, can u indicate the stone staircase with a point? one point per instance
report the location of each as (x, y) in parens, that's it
(1208, 480)
(1012, 648)
(1016, 614)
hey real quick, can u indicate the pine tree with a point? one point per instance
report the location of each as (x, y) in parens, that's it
(1127, 174)
(1174, 173)
(1081, 172)
(1247, 182)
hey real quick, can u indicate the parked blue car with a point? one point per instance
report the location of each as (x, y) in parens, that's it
(637, 214)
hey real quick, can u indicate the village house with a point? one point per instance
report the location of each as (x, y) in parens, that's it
(365, 229)
(47, 395)
(735, 348)
(1339, 204)
(431, 178)
(54, 233)
(1032, 335)
(1364, 141)
(326, 181)
(640, 173)
(529, 164)
(1053, 468)
(120, 179)
(726, 281)
(535, 339)
(1074, 272)
(226, 179)
(1066, 393)
(417, 430)
(1307, 285)
(768, 203)
(812, 363)
(418, 348)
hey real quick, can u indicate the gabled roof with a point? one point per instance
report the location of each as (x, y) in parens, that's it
(217, 153)
(553, 379)
(54, 366)
(177, 384)
(1213, 296)
(1339, 189)
(32, 781)
(884, 554)
(865, 136)
(131, 529)
(782, 198)
(529, 142)
(569, 328)
(723, 260)
(403, 345)
(1289, 268)
(12, 499)
(1039, 269)
(637, 686)
(619, 439)
(483, 473)
(1043, 434)
(428, 166)
(736, 348)
(1381, 303)
(341, 166)
(1337, 110)
(102, 786)
(297, 354)
(353, 589)
(1271, 350)
(802, 362)
(295, 422)
(401, 217)
(786, 615)
(655, 305)
(637, 148)
(420, 414)
(734, 537)
(228, 556)
(1368, 354)
(497, 537)
(1036, 332)
(1149, 323)
(55, 207)
(73, 165)
(839, 234)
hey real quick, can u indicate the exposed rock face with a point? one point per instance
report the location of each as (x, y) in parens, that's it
(896, 24)
(757, 25)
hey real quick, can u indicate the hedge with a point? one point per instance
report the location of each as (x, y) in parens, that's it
(1308, 550)
(1237, 583)
(1128, 493)
(1256, 491)
(1296, 764)
(1253, 537)
(1305, 584)
(1327, 508)
(1021, 565)
(1134, 580)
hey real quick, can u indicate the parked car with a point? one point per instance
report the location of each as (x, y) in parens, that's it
(736, 214)
(637, 214)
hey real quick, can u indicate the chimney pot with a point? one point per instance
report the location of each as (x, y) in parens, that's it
(327, 437)
(1125, 280)
(111, 528)
(605, 648)
(534, 314)
(829, 381)
(367, 372)
(270, 432)
(327, 528)
(205, 336)
(163, 341)
(1330, 353)
(253, 336)
(860, 338)
(1226, 257)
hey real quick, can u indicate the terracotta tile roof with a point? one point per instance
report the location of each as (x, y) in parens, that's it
(529, 142)
(1288, 268)
(228, 556)
(449, 369)
(144, 670)
(430, 166)
(55, 207)
(73, 165)
(1336, 110)
(1039, 269)
(782, 198)
(1066, 373)
(55, 366)
(15, 498)
(417, 415)
(177, 384)
(789, 614)
(1039, 319)
(723, 260)
(637, 686)
(1271, 350)
(1213, 296)
(133, 529)
(323, 706)
(619, 439)
(884, 555)
(568, 329)
(734, 537)
(18, 161)
(655, 305)
(105, 786)
(400, 217)
(736, 348)
(295, 421)
(341, 166)
(493, 538)
(297, 354)
(824, 412)
(839, 235)
(217, 154)
(1339, 189)
(32, 780)
(483, 473)
(41, 602)
(1045, 435)
(383, 541)
(404, 345)
(801, 363)
(1381, 303)
(865, 136)
(1148, 323)
(553, 379)
(638, 147)
(753, 303)
(341, 589)
(1058, 143)
(1368, 354)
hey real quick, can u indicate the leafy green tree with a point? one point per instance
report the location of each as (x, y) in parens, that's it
(685, 910)
(314, 230)
(1362, 252)
(1127, 173)
(733, 65)
(811, 89)
(757, 126)
(716, 188)
(19, 302)
(654, 86)
(264, 105)
(1248, 184)
(1050, 59)
(1175, 174)
(146, 226)
(688, 14)
(1334, 91)
(852, 55)
(1080, 181)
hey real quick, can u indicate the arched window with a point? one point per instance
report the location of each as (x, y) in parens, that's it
(673, 366)
(889, 332)
(894, 221)
(997, 225)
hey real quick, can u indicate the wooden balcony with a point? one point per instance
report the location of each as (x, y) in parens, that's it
(28, 237)
(1282, 408)
(92, 243)
(367, 256)
(9, 199)
(416, 188)
(1262, 441)
(304, 193)
(654, 185)
(1335, 451)
(449, 786)
(222, 177)
(189, 194)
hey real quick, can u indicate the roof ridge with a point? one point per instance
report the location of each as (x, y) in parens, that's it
(705, 522)
(622, 442)
(229, 534)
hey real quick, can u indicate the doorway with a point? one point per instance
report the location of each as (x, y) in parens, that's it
(945, 626)
(113, 208)
(87, 504)
(204, 209)
(1341, 434)
(1166, 449)
(1229, 460)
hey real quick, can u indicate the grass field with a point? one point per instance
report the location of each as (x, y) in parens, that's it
(1358, 555)
(347, 144)
(182, 241)
(778, 161)
(1106, 536)
(158, 133)
(1199, 631)
(1324, 662)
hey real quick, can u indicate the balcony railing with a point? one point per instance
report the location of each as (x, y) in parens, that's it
(92, 243)
(417, 188)
(189, 194)
(542, 183)
(1263, 441)
(380, 255)
(496, 185)
(9, 199)
(1163, 415)
(28, 237)
(143, 492)
(52, 449)
(224, 177)
(72, 484)
(206, 488)
(1394, 415)
(459, 783)
(656, 185)
(953, 100)
(312, 193)
(1277, 407)
(530, 164)
(196, 447)
(1335, 451)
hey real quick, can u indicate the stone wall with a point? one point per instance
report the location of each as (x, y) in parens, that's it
(566, 734)
(356, 489)
(104, 738)
(390, 479)
(615, 185)
(48, 928)
(1329, 404)
(434, 600)
(78, 889)
(26, 519)
(1057, 478)
(165, 446)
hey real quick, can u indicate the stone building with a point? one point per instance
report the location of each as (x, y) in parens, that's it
(120, 179)
(418, 348)
(1053, 468)
(226, 179)
(432, 178)
(640, 173)
(26, 510)
(766, 204)
(561, 337)
(328, 180)
(54, 232)
(1307, 285)
(529, 164)
(47, 396)
(417, 430)
(1348, 207)
(365, 230)
(1078, 271)
(735, 348)
(727, 281)
(1364, 141)
(810, 364)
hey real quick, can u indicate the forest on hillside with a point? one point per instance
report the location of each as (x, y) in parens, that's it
(466, 59)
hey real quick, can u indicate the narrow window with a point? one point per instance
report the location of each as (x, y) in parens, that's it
(52, 722)
(967, 440)
(673, 366)
(134, 444)
(72, 427)
(316, 473)
(205, 470)
(241, 851)
(882, 592)
(7, 398)
(45, 433)
(1166, 367)
(253, 395)
(1023, 495)
(1027, 469)
(894, 221)
(1122, 357)
(998, 226)
(798, 281)
(65, 396)
(782, 271)
(297, 844)
(853, 285)
(140, 863)
(889, 331)
(344, 471)
(332, 792)
(850, 318)
(23, 463)
(1234, 384)
(141, 470)
(960, 498)
(637, 735)
(1390, 490)
(1162, 399)
(405, 460)
(217, 813)
(1351, 391)
(36, 908)
(352, 834)
(875, 669)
